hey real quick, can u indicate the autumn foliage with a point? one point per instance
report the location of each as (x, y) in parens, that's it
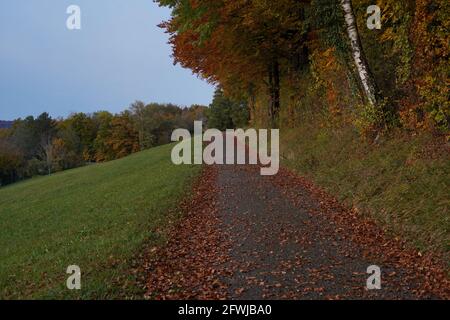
(289, 57)
(42, 145)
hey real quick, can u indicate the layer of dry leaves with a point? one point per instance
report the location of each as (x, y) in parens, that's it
(426, 271)
(201, 259)
(191, 263)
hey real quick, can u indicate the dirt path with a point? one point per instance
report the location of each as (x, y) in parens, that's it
(246, 236)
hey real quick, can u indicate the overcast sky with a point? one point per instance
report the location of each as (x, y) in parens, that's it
(118, 56)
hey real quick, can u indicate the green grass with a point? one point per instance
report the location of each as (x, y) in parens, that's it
(400, 182)
(96, 217)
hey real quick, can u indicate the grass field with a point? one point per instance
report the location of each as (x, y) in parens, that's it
(96, 217)
(403, 182)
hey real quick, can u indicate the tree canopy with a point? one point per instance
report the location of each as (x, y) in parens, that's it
(279, 54)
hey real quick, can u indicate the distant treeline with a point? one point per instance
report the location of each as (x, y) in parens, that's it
(42, 145)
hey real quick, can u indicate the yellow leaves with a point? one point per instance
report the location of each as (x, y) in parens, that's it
(328, 76)
(330, 61)
(388, 35)
(325, 61)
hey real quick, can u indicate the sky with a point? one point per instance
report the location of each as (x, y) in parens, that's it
(118, 56)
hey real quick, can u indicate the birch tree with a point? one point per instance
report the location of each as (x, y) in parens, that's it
(365, 75)
(47, 153)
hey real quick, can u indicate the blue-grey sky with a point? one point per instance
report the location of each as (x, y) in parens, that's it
(118, 56)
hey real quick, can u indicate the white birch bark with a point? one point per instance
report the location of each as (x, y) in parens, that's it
(367, 80)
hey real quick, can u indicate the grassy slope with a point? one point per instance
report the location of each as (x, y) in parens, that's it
(398, 182)
(95, 217)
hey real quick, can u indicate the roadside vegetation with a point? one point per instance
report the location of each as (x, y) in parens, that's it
(401, 181)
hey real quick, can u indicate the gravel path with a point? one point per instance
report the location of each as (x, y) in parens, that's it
(245, 236)
(283, 251)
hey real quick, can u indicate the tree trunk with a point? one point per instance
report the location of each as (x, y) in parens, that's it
(365, 75)
(274, 90)
(252, 102)
(47, 152)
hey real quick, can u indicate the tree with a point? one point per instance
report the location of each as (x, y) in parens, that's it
(67, 148)
(123, 138)
(102, 151)
(365, 75)
(225, 114)
(47, 154)
(142, 123)
(11, 163)
(238, 44)
(190, 115)
(25, 135)
(33, 137)
(86, 130)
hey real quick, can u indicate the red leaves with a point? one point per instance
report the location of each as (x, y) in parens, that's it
(424, 272)
(189, 266)
(281, 238)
